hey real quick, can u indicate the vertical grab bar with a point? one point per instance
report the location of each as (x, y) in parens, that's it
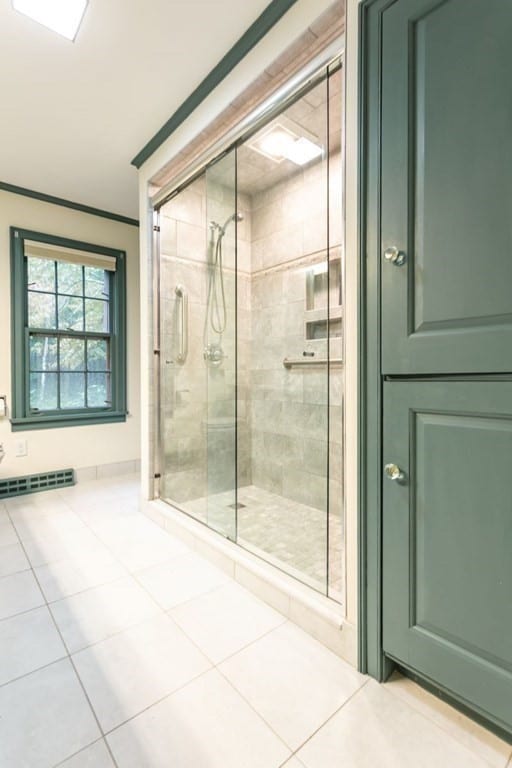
(181, 294)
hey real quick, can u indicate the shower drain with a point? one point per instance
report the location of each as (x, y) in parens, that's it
(239, 505)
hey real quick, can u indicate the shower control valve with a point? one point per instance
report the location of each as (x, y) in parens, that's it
(214, 355)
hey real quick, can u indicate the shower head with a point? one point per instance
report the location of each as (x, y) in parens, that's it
(234, 217)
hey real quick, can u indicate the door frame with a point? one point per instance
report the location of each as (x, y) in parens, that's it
(371, 655)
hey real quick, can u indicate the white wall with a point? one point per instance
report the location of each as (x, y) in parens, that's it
(82, 446)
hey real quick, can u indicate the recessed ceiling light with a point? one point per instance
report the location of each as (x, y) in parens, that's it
(285, 140)
(275, 142)
(303, 151)
(62, 16)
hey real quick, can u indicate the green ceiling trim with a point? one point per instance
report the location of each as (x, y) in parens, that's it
(251, 37)
(67, 203)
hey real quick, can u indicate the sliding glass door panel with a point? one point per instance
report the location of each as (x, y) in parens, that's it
(220, 345)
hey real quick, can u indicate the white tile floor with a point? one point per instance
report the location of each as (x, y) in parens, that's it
(121, 647)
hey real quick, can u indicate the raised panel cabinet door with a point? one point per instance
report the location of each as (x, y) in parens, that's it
(447, 538)
(446, 186)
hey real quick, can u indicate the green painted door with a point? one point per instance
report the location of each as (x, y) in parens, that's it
(447, 186)
(448, 538)
(446, 311)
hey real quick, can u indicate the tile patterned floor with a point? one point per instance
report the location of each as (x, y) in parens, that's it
(122, 648)
(289, 535)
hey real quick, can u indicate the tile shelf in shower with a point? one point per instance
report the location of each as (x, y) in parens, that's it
(323, 288)
(321, 324)
(323, 313)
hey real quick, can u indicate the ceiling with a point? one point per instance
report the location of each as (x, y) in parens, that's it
(256, 173)
(316, 112)
(75, 114)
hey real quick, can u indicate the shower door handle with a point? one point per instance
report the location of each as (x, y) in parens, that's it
(181, 295)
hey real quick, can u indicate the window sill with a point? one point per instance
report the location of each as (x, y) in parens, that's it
(66, 420)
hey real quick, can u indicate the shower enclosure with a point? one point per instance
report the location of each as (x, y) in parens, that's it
(251, 339)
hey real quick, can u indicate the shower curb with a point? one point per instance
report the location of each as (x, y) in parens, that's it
(315, 614)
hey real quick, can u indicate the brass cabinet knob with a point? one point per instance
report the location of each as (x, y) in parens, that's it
(394, 255)
(393, 472)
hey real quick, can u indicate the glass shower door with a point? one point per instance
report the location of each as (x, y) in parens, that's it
(220, 345)
(294, 306)
(183, 385)
(198, 348)
(252, 381)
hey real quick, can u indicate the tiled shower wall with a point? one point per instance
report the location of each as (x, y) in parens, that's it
(290, 424)
(283, 424)
(183, 392)
(198, 424)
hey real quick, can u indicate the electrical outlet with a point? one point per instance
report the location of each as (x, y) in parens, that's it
(20, 448)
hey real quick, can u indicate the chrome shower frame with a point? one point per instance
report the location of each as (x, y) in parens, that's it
(331, 59)
(309, 75)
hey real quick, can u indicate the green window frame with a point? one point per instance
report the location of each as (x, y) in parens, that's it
(83, 369)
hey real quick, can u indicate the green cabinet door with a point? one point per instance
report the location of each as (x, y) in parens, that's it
(446, 186)
(447, 538)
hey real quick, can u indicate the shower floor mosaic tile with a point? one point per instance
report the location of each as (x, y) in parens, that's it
(287, 534)
(120, 647)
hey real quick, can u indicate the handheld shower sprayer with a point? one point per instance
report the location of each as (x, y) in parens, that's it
(216, 314)
(234, 217)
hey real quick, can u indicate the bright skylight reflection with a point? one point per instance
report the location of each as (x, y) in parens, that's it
(276, 142)
(285, 139)
(62, 16)
(303, 151)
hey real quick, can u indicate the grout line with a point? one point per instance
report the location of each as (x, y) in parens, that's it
(293, 752)
(37, 669)
(77, 676)
(293, 756)
(259, 715)
(22, 613)
(158, 701)
(235, 653)
(80, 591)
(70, 757)
(113, 634)
(110, 635)
(14, 573)
(64, 597)
(185, 602)
(312, 735)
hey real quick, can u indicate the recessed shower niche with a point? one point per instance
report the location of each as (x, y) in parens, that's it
(323, 314)
(251, 340)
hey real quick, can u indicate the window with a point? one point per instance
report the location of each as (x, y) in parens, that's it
(69, 347)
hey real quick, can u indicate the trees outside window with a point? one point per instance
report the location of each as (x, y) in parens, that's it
(68, 301)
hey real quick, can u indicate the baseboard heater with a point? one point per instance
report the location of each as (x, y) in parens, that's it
(45, 481)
